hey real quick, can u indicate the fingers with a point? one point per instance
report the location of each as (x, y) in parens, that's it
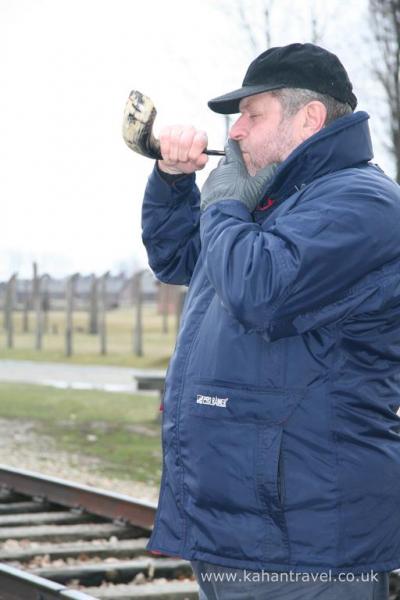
(182, 148)
(198, 145)
(165, 142)
(184, 144)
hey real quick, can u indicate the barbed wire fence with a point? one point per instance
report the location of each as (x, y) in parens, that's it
(35, 299)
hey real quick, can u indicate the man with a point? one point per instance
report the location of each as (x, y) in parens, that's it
(281, 439)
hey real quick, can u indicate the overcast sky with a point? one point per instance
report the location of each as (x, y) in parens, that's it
(70, 188)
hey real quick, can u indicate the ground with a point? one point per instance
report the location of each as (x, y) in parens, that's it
(22, 448)
(72, 423)
(96, 437)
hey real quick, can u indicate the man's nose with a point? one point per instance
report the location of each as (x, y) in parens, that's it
(238, 130)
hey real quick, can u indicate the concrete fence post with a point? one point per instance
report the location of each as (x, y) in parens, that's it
(69, 326)
(138, 317)
(165, 299)
(9, 308)
(37, 305)
(180, 300)
(93, 307)
(27, 301)
(103, 313)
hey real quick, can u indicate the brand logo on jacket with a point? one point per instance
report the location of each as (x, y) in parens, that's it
(212, 400)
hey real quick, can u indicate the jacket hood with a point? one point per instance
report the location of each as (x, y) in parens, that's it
(345, 143)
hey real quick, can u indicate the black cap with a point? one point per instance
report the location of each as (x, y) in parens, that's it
(303, 66)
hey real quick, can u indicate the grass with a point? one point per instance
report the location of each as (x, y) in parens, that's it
(157, 346)
(121, 430)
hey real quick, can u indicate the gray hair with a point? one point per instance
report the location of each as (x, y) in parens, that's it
(292, 99)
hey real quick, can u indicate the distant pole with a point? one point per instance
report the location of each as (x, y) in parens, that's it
(45, 301)
(69, 314)
(164, 289)
(103, 313)
(9, 307)
(37, 307)
(25, 318)
(138, 324)
(5, 311)
(180, 300)
(93, 307)
(228, 123)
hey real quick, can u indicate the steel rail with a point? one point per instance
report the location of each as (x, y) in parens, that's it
(96, 501)
(38, 576)
(19, 585)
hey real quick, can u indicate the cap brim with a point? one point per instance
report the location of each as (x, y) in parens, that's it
(229, 103)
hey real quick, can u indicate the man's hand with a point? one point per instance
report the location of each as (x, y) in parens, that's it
(231, 180)
(182, 149)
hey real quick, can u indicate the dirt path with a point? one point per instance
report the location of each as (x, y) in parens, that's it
(22, 448)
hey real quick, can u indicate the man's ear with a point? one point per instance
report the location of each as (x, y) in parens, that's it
(314, 117)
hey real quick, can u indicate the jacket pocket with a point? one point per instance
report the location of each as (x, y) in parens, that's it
(270, 477)
(281, 478)
(232, 440)
(250, 404)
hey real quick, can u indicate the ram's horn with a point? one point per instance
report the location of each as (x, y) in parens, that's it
(137, 127)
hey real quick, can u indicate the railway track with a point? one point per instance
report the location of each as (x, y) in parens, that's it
(60, 541)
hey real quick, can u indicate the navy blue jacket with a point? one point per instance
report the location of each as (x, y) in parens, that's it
(281, 439)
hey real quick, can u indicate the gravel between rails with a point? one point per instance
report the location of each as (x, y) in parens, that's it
(22, 448)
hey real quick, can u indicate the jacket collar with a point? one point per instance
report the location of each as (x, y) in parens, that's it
(345, 143)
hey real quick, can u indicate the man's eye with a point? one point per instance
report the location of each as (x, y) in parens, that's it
(255, 115)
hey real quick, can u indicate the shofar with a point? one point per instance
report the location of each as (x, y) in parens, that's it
(137, 127)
